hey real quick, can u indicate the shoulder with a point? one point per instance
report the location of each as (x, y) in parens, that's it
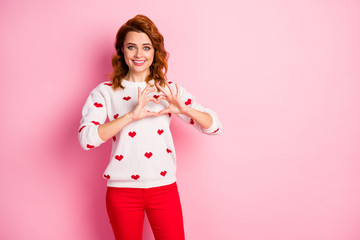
(103, 88)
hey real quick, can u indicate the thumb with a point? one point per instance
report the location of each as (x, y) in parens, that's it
(166, 110)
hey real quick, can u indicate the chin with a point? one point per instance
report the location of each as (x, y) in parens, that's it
(139, 70)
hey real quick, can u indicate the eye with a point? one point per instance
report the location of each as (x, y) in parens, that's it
(131, 47)
(147, 48)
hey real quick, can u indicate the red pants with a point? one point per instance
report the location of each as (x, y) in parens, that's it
(126, 209)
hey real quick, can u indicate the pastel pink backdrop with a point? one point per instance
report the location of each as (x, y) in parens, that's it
(283, 77)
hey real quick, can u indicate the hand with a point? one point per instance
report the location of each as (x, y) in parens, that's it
(139, 111)
(176, 106)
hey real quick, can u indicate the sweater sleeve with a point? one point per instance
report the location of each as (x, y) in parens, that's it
(189, 100)
(93, 115)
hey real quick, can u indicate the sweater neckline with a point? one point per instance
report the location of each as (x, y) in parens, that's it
(128, 83)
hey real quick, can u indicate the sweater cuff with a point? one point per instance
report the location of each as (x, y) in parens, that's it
(95, 136)
(214, 125)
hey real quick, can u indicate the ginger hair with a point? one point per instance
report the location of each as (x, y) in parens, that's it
(159, 67)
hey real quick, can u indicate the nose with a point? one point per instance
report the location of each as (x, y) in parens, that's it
(138, 53)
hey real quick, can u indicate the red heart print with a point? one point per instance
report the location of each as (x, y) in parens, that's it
(108, 84)
(114, 138)
(89, 146)
(116, 116)
(156, 96)
(136, 177)
(169, 82)
(192, 122)
(127, 98)
(98, 105)
(188, 102)
(96, 123)
(132, 134)
(160, 131)
(216, 130)
(163, 173)
(148, 154)
(119, 157)
(168, 150)
(169, 115)
(81, 128)
(107, 176)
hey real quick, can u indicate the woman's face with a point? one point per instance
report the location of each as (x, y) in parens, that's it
(138, 52)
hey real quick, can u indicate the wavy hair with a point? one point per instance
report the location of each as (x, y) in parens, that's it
(159, 67)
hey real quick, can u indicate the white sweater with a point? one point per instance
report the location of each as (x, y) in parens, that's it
(143, 152)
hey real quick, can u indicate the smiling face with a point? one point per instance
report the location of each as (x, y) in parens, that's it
(138, 52)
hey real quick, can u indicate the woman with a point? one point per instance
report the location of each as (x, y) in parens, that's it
(139, 103)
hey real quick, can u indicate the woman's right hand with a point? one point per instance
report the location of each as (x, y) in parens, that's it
(139, 112)
(110, 129)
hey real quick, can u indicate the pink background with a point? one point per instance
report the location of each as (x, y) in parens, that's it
(283, 77)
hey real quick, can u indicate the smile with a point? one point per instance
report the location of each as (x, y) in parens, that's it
(138, 62)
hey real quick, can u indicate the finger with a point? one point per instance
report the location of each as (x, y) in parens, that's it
(170, 88)
(159, 98)
(162, 97)
(145, 89)
(149, 114)
(166, 110)
(150, 90)
(161, 89)
(156, 101)
(139, 93)
(177, 90)
(148, 99)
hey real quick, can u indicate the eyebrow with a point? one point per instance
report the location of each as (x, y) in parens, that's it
(135, 44)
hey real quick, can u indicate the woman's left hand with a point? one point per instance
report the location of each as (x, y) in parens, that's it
(176, 106)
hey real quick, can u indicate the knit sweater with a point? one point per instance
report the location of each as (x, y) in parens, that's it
(143, 152)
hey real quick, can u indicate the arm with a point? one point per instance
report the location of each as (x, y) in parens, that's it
(109, 129)
(93, 114)
(202, 118)
(94, 131)
(184, 105)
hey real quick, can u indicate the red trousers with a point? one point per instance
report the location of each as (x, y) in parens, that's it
(126, 209)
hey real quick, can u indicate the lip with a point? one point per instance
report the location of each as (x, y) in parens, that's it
(138, 62)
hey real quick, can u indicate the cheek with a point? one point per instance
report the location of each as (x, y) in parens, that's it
(127, 55)
(150, 55)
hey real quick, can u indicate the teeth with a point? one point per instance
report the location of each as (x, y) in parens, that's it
(139, 61)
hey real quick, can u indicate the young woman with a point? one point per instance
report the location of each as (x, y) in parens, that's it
(139, 103)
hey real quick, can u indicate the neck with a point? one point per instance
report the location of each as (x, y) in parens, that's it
(137, 76)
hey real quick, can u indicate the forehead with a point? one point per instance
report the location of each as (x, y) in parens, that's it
(137, 38)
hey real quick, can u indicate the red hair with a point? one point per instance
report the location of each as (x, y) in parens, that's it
(158, 69)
